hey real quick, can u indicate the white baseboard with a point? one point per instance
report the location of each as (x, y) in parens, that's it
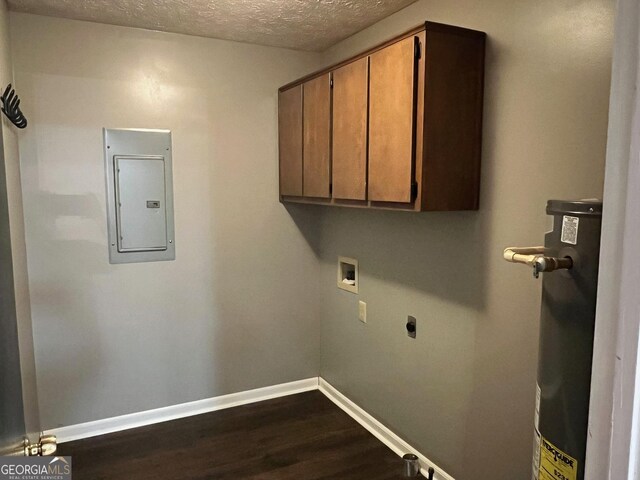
(378, 430)
(158, 415)
(140, 419)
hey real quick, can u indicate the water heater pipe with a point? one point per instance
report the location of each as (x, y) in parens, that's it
(526, 255)
(535, 257)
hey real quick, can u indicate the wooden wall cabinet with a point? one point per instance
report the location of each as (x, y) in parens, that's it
(349, 132)
(398, 126)
(316, 135)
(290, 141)
(392, 101)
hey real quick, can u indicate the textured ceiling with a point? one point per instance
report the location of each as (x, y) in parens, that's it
(301, 24)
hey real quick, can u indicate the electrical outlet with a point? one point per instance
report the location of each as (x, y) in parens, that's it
(362, 311)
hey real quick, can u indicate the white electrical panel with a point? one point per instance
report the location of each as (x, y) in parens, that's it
(139, 195)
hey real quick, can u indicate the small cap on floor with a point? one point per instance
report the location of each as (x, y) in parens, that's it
(411, 466)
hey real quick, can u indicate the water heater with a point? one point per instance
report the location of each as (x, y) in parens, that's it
(567, 318)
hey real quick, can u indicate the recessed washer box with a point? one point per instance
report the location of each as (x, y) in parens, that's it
(139, 195)
(348, 274)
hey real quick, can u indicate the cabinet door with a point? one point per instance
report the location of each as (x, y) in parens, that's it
(290, 141)
(317, 137)
(391, 122)
(349, 159)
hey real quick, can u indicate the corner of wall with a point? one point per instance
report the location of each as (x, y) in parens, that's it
(18, 245)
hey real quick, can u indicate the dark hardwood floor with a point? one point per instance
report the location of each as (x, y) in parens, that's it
(302, 437)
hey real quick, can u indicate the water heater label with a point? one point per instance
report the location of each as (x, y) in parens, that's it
(555, 464)
(570, 229)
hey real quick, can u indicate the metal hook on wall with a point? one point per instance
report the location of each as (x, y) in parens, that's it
(11, 107)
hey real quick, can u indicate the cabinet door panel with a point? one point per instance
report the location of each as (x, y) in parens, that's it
(290, 141)
(391, 122)
(317, 137)
(350, 102)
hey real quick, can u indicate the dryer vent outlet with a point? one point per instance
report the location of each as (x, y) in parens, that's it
(411, 327)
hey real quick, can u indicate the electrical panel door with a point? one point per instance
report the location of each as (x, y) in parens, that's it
(141, 212)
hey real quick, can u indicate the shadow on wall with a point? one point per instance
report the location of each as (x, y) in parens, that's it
(436, 253)
(428, 265)
(12, 426)
(308, 219)
(62, 345)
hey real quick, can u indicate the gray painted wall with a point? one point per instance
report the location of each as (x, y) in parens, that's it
(463, 391)
(241, 306)
(12, 426)
(15, 296)
(238, 308)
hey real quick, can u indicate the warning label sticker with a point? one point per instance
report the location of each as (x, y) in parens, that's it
(570, 229)
(555, 464)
